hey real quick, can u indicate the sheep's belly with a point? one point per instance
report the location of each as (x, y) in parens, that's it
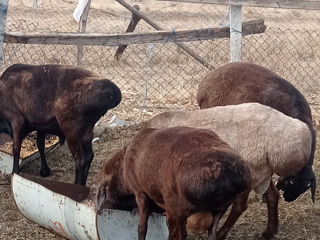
(261, 180)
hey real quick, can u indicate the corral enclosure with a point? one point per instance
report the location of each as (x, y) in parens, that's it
(156, 77)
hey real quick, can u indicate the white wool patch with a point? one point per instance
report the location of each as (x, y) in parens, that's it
(268, 140)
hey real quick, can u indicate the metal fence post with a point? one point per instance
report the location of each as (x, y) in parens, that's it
(235, 14)
(3, 17)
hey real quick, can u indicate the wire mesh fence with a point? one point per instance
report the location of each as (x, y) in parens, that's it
(289, 47)
(159, 77)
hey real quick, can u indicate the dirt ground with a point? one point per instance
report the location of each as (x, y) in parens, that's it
(289, 47)
(298, 220)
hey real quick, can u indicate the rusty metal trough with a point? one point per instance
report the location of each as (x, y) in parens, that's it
(59, 207)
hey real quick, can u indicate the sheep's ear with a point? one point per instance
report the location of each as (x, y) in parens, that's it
(101, 197)
(280, 183)
(313, 189)
(98, 195)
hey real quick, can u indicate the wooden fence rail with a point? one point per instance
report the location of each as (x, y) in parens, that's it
(291, 4)
(249, 27)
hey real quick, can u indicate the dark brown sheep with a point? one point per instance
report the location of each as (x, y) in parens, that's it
(55, 99)
(182, 170)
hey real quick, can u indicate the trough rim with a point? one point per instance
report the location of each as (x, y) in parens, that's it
(51, 230)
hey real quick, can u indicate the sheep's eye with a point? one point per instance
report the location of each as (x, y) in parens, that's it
(291, 182)
(309, 184)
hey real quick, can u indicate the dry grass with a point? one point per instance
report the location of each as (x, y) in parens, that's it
(298, 220)
(290, 47)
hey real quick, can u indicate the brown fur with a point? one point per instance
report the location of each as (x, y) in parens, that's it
(237, 83)
(63, 100)
(252, 129)
(199, 223)
(103, 177)
(183, 171)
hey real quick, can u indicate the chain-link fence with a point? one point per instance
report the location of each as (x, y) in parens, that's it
(290, 47)
(157, 77)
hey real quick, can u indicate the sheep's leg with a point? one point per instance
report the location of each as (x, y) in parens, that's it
(45, 170)
(83, 155)
(212, 233)
(74, 149)
(18, 134)
(71, 133)
(61, 139)
(86, 156)
(238, 207)
(74, 137)
(272, 198)
(176, 225)
(144, 212)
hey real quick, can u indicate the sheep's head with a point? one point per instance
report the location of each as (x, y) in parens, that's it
(112, 195)
(103, 179)
(294, 186)
(108, 190)
(107, 92)
(98, 196)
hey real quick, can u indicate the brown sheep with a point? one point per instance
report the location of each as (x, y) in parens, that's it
(252, 129)
(55, 99)
(182, 170)
(236, 83)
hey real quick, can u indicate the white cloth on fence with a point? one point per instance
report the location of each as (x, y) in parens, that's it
(79, 9)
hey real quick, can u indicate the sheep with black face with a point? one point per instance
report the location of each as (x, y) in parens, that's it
(236, 83)
(269, 141)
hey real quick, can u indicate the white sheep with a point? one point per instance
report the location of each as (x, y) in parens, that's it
(268, 140)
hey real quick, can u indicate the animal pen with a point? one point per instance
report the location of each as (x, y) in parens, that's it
(173, 46)
(154, 72)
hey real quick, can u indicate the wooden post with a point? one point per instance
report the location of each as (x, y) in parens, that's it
(132, 25)
(3, 18)
(82, 29)
(157, 27)
(35, 3)
(235, 15)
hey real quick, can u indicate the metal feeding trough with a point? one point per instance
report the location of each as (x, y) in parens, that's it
(59, 207)
(6, 157)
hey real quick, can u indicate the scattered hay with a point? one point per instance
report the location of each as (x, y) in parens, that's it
(298, 220)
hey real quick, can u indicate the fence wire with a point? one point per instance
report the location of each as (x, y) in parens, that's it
(159, 77)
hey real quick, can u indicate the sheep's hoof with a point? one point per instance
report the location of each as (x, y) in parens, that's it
(267, 235)
(221, 236)
(45, 172)
(61, 141)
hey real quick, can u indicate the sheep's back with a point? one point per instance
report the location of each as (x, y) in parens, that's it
(36, 90)
(268, 140)
(239, 82)
(182, 161)
(201, 188)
